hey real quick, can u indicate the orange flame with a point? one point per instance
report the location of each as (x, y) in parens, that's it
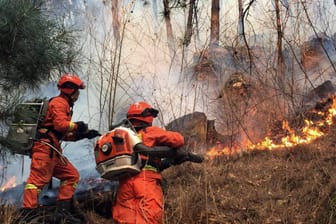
(310, 132)
(218, 151)
(9, 184)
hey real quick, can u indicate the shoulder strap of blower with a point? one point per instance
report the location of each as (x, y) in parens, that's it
(137, 145)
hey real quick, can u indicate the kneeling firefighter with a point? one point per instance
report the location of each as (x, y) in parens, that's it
(140, 197)
(47, 160)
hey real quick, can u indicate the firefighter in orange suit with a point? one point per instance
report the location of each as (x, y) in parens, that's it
(140, 198)
(47, 160)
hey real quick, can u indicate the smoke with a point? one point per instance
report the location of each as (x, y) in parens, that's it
(147, 71)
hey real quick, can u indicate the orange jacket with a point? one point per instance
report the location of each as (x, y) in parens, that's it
(156, 136)
(58, 118)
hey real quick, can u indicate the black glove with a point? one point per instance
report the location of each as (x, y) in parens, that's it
(81, 127)
(92, 134)
(182, 156)
(89, 134)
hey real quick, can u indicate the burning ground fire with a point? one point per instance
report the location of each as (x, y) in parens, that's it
(9, 184)
(311, 131)
(308, 133)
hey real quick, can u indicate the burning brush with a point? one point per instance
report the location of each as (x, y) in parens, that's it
(312, 125)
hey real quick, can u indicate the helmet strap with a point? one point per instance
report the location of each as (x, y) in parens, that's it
(74, 95)
(68, 96)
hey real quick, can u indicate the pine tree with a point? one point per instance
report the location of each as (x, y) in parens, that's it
(31, 45)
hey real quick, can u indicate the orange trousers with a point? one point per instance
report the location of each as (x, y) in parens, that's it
(139, 200)
(42, 169)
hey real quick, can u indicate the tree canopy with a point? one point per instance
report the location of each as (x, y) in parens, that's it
(32, 46)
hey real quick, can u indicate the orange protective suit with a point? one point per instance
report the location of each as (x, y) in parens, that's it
(140, 197)
(47, 162)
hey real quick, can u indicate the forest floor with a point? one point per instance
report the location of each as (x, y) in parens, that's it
(296, 185)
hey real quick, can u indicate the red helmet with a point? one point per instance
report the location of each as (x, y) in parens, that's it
(142, 111)
(70, 82)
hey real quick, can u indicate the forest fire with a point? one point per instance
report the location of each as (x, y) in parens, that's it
(9, 184)
(311, 131)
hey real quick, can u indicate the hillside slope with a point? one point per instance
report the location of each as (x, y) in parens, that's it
(294, 185)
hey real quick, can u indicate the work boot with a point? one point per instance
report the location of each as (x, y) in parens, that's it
(64, 214)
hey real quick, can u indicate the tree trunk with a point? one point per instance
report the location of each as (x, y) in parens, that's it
(188, 33)
(240, 23)
(169, 28)
(214, 28)
(115, 20)
(279, 45)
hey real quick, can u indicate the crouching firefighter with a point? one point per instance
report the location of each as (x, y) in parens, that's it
(139, 197)
(47, 160)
